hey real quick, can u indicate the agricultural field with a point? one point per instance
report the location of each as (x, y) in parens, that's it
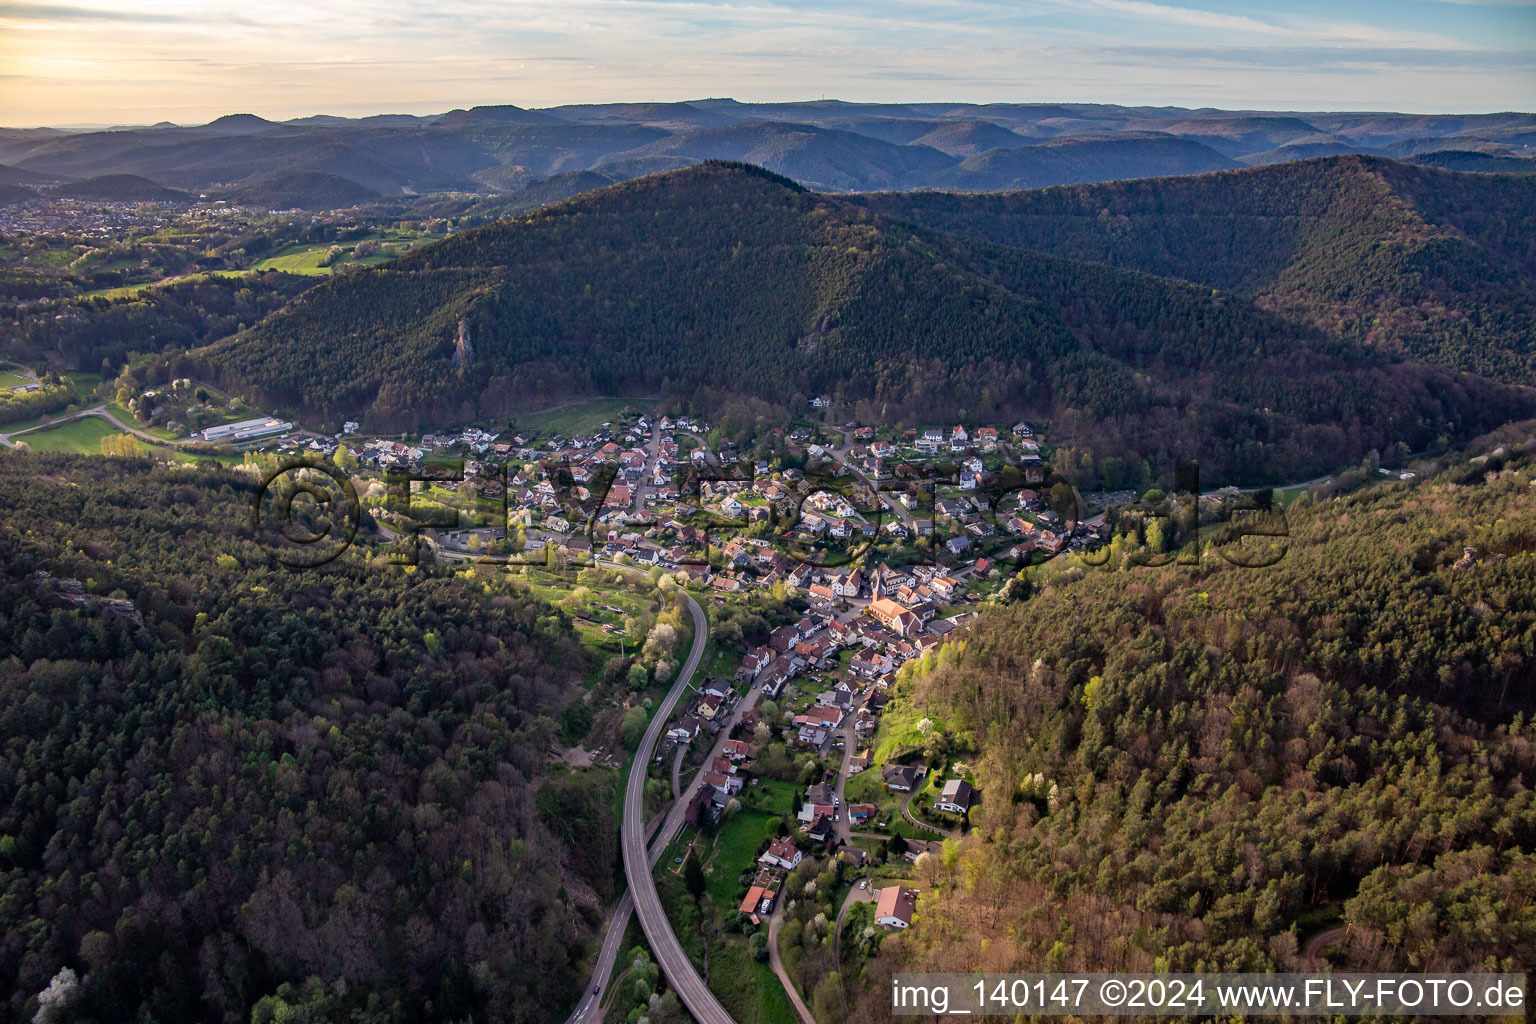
(298, 259)
(79, 437)
(130, 290)
(314, 259)
(578, 417)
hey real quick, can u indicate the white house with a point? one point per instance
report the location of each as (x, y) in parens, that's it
(781, 853)
(895, 906)
(956, 797)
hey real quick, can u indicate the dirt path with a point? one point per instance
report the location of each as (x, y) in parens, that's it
(1313, 950)
(777, 963)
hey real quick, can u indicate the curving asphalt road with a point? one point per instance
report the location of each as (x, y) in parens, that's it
(661, 831)
(674, 963)
(100, 412)
(618, 924)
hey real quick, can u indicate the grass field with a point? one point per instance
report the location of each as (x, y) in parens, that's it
(81, 437)
(734, 849)
(736, 845)
(298, 259)
(579, 417)
(557, 590)
(770, 796)
(130, 290)
(307, 259)
(722, 664)
(10, 380)
(899, 732)
(748, 989)
(20, 425)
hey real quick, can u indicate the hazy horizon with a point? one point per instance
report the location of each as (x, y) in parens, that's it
(279, 118)
(148, 61)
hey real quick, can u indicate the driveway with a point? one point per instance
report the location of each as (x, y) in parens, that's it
(906, 812)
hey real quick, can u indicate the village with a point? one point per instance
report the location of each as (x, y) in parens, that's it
(653, 493)
(817, 688)
(885, 541)
(871, 545)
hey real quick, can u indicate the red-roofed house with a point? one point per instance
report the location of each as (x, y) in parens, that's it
(895, 906)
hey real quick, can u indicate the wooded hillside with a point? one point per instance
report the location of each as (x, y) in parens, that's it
(1200, 768)
(1436, 265)
(727, 277)
(219, 776)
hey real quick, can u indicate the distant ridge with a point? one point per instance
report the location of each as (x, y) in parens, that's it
(237, 124)
(823, 158)
(1305, 150)
(1482, 163)
(828, 144)
(19, 176)
(503, 114)
(1070, 160)
(965, 138)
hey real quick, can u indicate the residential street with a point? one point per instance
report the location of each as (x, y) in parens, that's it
(844, 826)
(890, 503)
(653, 450)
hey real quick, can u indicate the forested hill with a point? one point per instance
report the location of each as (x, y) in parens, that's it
(1219, 763)
(218, 776)
(1438, 265)
(727, 277)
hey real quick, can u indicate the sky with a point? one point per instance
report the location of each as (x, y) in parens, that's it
(99, 62)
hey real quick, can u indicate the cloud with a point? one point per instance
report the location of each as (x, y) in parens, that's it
(73, 62)
(1304, 31)
(34, 12)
